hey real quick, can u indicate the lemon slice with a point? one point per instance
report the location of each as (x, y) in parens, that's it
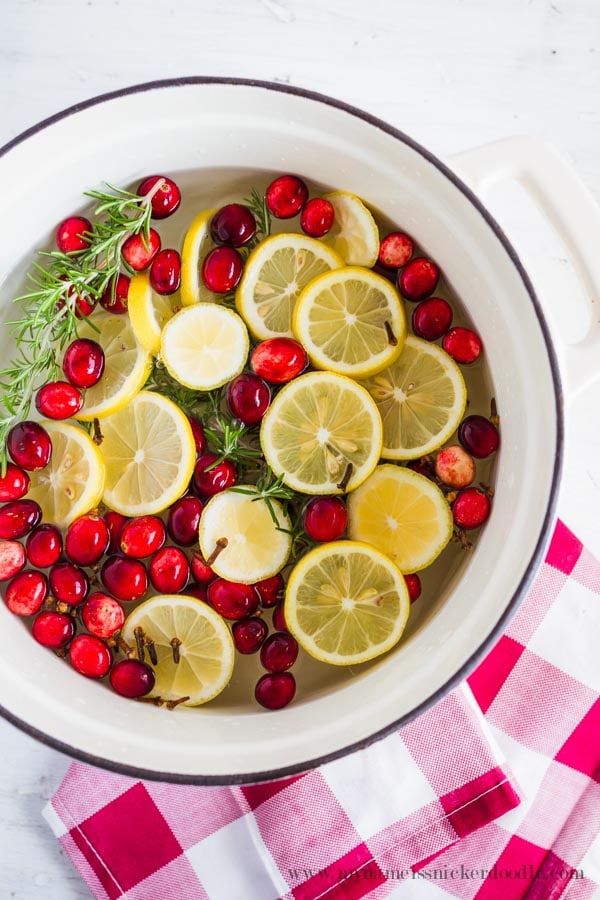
(421, 398)
(205, 652)
(73, 481)
(126, 369)
(196, 245)
(322, 434)
(148, 312)
(403, 514)
(350, 321)
(274, 274)
(346, 603)
(239, 530)
(204, 346)
(354, 233)
(149, 451)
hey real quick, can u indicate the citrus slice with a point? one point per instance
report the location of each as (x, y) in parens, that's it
(274, 274)
(346, 603)
(354, 233)
(126, 369)
(204, 346)
(149, 451)
(403, 514)
(148, 312)
(73, 481)
(205, 651)
(196, 245)
(350, 321)
(239, 530)
(322, 434)
(421, 398)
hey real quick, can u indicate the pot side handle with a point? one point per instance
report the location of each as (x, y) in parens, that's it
(571, 210)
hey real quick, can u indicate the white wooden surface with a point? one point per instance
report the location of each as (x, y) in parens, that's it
(451, 73)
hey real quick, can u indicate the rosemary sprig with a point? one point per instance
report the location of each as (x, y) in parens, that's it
(257, 204)
(194, 403)
(270, 487)
(226, 439)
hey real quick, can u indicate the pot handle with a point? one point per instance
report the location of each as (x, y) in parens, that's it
(573, 213)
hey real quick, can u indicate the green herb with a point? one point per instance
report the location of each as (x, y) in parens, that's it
(257, 204)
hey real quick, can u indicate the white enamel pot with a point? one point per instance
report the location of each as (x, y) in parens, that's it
(208, 134)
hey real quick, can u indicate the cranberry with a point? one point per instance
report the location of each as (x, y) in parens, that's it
(18, 518)
(12, 559)
(14, 484)
(115, 523)
(317, 217)
(479, 436)
(126, 578)
(58, 400)
(248, 398)
(139, 250)
(222, 269)
(69, 583)
(26, 593)
(231, 599)
(233, 225)
(421, 467)
(455, 467)
(275, 691)
(165, 272)
(169, 570)
(52, 629)
(286, 196)
(325, 518)
(249, 634)
(197, 590)
(279, 652)
(90, 656)
(83, 363)
(165, 200)
(279, 623)
(211, 476)
(44, 546)
(279, 359)
(432, 318)
(270, 590)
(143, 536)
(102, 615)
(201, 571)
(395, 250)
(183, 521)
(86, 540)
(114, 298)
(471, 508)
(463, 345)
(418, 279)
(29, 445)
(131, 678)
(72, 235)
(413, 583)
(198, 432)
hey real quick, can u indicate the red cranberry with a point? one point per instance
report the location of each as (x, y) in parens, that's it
(197, 590)
(126, 578)
(83, 363)
(231, 599)
(479, 436)
(211, 477)
(233, 225)
(131, 678)
(90, 656)
(26, 593)
(317, 217)
(183, 521)
(58, 400)
(471, 508)
(286, 196)
(198, 432)
(248, 398)
(52, 629)
(143, 536)
(86, 540)
(432, 318)
(270, 590)
(73, 234)
(139, 250)
(463, 345)
(418, 279)
(69, 583)
(102, 615)
(279, 652)
(29, 445)
(169, 570)
(279, 623)
(222, 269)
(14, 484)
(395, 250)
(18, 518)
(44, 546)
(413, 583)
(165, 272)
(455, 467)
(115, 523)
(279, 359)
(275, 691)
(114, 298)
(201, 571)
(325, 518)
(249, 634)
(165, 200)
(12, 559)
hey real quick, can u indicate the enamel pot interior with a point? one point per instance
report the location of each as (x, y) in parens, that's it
(218, 139)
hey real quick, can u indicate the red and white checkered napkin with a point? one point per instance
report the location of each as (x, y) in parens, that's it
(432, 811)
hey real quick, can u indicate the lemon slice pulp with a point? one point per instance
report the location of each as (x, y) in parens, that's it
(205, 651)
(403, 514)
(346, 603)
(148, 312)
(354, 233)
(196, 245)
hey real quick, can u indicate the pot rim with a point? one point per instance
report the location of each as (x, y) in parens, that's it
(548, 519)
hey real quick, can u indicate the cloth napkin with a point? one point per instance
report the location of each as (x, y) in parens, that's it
(492, 793)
